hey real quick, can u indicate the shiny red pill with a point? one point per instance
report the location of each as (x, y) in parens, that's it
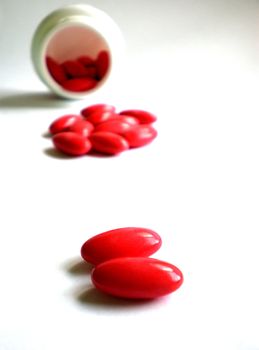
(128, 119)
(108, 143)
(100, 117)
(121, 242)
(100, 108)
(79, 84)
(56, 70)
(143, 117)
(116, 126)
(140, 135)
(71, 143)
(137, 278)
(64, 122)
(102, 63)
(81, 127)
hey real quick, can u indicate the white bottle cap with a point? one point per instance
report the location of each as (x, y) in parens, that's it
(72, 32)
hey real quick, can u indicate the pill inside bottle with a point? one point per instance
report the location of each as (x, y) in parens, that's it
(76, 49)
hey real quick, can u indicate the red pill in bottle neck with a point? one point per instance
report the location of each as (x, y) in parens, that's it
(76, 50)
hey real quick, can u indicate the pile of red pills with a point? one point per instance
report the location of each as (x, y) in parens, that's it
(123, 268)
(99, 128)
(81, 74)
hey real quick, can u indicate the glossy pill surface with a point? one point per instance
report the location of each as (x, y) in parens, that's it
(128, 119)
(98, 117)
(99, 107)
(71, 143)
(137, 278)
(108, 143)
(140, 135)
(116, 126)
(121, 242)
(143, 117)
(62, 123)
(81, 127)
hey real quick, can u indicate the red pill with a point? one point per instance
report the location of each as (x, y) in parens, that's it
(71, 143)
(100, 117)
(137, 278)
(143, 117)
(64, 122)
(121, 242)
(74, 69)
(116, 126)
(108, 143)
(128, 119)
(100, 107)
(90, 72)
(56, 70)
(81, 127)
(102, 63)
(140, 135)
(86, 60)
(79, 84)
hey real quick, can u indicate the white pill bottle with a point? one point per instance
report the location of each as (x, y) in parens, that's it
(75, 33)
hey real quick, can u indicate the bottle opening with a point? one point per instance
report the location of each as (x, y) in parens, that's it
(77, 58)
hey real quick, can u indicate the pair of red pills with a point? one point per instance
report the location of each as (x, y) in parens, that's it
(81, 74)
(99, 128)
(123, 268)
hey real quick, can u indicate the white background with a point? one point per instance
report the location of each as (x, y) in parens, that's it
(195, 65)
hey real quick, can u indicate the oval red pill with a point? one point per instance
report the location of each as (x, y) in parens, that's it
(98, 117)
(86, 60)
(116, 126)
(71, 143)
(143, 117)
(108, 143)
(74, 69)
(102, 63)
(137, 278)
(79, 84)
(56, 70)
(121, 242)
(81, 127)
(62, 123)
(100, 107)
(90, 72)
(140, 135)
(128, 119)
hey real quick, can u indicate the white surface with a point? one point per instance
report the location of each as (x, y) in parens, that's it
(194, 64)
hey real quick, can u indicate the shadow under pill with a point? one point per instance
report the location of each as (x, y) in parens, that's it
(19, 100)
(78, 267)
(94, 297)
(46, 135)
(53, 153)
(99, 155)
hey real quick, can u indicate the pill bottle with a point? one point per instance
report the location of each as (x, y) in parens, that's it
(76, 50)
